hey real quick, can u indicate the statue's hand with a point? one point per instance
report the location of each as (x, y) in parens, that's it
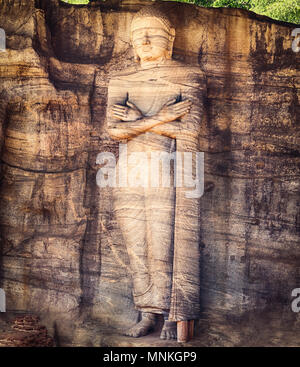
(126, 113)
(172, 111)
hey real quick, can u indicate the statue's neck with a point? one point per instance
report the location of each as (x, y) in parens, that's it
(147, 64)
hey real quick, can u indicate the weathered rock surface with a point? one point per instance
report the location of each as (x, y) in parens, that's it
(23, 331)
(62, 254)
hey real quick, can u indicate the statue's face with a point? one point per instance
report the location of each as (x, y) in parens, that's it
(150, 40)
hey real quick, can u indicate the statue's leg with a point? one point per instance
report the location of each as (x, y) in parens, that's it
(160, 220)
(160, 224)
(130, 213)
(129, 210)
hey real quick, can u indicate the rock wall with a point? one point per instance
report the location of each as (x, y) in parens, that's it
(62, 255)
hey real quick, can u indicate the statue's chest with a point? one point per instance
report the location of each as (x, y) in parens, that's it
(152, 93)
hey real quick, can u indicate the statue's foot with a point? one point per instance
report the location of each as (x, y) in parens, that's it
(169, 330)
(143, 327)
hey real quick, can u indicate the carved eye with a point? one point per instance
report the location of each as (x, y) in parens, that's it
(152, 31)
(138, 33)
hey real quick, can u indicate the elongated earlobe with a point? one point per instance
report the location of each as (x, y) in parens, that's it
(172, 34)
(136, 57)
(171, 42)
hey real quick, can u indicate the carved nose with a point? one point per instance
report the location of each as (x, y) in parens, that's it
(146, 40)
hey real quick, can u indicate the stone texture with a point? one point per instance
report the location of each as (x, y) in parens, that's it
(23, 331)
(160, 225)
(62, 254)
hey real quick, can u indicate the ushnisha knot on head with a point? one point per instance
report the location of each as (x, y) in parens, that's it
(152, 11)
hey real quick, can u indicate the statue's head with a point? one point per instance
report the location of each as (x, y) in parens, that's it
(152, 35)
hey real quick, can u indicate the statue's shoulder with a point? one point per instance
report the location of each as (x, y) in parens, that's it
(185, 74)
(124, 73)
(185, 69)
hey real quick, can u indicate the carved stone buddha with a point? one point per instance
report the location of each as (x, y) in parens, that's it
(156, 107)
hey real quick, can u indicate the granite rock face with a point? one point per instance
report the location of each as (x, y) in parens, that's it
(24, 331)
(62, 253)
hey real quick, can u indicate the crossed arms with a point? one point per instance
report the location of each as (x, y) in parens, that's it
(175, 119)
(132, 122)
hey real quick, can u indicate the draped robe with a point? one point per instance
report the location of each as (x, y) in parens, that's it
(160, 225)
